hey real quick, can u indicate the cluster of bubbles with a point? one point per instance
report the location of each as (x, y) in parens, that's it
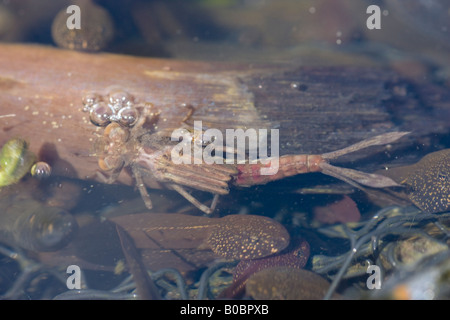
(117, 106)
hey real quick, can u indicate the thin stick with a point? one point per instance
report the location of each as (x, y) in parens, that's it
(145, 286)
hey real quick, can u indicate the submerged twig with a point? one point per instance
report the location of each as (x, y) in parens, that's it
(145, 286)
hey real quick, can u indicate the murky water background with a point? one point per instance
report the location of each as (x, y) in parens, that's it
(333, 218)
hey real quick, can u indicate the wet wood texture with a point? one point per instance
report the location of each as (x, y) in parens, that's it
(316, 109)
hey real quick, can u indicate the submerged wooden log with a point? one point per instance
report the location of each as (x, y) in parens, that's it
(316, 109)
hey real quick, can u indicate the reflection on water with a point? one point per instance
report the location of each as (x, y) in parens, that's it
(50, 223)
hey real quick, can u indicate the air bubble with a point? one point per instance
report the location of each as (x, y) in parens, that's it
(128, 116)
(120, 99)
(100, 114)
(295, 85)
(41, 170)
(89, 100)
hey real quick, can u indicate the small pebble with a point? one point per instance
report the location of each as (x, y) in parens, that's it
(285, 283)
(95, 33)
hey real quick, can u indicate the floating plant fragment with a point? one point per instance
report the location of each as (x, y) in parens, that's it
(15, 161)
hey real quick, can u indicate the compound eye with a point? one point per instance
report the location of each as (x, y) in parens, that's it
(128, 116)
(100, 114)
(109, 163)
(116, 133)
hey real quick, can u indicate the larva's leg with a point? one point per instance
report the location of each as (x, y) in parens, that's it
(108, 179)
(195, 202)
(142, 189)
